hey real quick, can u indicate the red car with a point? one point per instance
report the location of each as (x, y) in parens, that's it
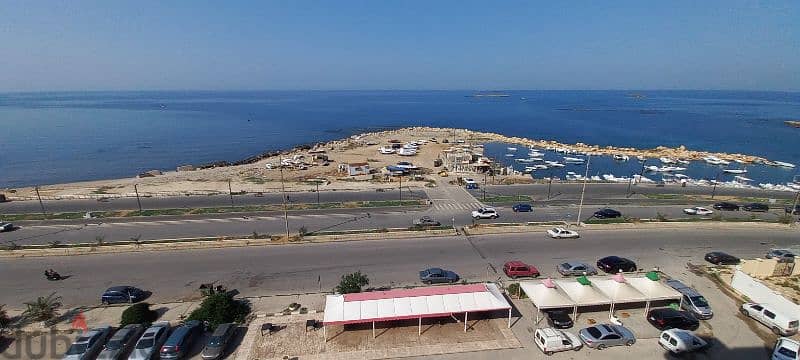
(515, 269)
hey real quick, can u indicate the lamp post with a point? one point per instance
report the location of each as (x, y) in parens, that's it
(550, 184)
(714, 189)
(583, 191)
(283, 195)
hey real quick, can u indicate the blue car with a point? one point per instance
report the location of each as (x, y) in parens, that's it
(522, 208)
(437, 276)
(122, 294)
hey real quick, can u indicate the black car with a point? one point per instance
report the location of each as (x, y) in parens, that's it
(615, 264)
(726, 206)
(796, 211)
(522, 208)
(756, 207)
(721, 258)
(559, 319)
(668, 318)
(122, 294)
(607, 214)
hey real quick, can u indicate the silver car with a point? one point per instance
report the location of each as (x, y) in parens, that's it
(575, 268)
(88, 345)
(121, 342)
(604, 335)
(780, 254)
(148, 345)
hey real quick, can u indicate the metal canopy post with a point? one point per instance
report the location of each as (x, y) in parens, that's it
(575, 311)
(509, 318)
(419, 333)
(646, 308)
(680, 305)
(373, 329)
(466, 316)
(324, 332)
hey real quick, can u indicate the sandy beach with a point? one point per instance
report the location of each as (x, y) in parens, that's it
(363, 148)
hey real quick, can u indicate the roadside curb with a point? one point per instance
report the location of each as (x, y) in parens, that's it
(508, 228)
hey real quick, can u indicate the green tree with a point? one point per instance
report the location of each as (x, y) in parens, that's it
(44, 308)
(4, 320)
(219, 309)
(138, 314)
(352, 283)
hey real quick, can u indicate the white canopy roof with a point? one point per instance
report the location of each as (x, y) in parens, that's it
(583, 295)
(654, 290)
(412, 303)
(620, 292)
(544, 297)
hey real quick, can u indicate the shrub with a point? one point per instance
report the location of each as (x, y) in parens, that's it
(44, 308)
(352, 283)
(515, 290)
(219, 309)
(138, 314)
(4, 320)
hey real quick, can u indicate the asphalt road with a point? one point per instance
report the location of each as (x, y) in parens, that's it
(295, 268)
(620, 191)
(55, 206)
(125, 229)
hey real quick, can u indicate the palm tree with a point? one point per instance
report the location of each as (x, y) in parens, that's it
(43, 308)
(4, 320)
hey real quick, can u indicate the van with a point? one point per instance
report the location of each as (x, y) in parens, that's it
(180, 342)
(773, 319)
(692, 300)
(550, 341)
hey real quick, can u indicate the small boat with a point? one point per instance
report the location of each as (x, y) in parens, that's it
(511, 149)
(681, 176)
(641, 158)
(540, 167)
(681, 161)
(386, 150)
(652, 168)
(509, 155)
(742, 178)
(740, 161)
(554, 164)
(573, 160)
(535, 154)
(735, 171)
(666, 160)
(713, 160)
(671, 168)
(785, 164)
(619, 157)
(528, 169)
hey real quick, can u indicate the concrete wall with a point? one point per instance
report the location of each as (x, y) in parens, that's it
(759, 268)
(760, 293)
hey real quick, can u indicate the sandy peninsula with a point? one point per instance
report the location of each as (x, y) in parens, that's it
(264, 175)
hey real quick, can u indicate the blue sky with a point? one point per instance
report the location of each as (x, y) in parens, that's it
(152, 45)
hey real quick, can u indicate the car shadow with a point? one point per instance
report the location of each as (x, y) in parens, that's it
(718, 350)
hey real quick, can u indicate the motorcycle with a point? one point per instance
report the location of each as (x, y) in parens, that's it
(52, 276)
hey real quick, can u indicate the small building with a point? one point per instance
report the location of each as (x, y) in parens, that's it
(355, 169)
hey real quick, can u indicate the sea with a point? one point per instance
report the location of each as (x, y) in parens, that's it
(57, 137)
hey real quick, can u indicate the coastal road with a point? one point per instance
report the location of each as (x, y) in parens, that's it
(596, 191)
(172, 227)
(283, 269)
(179, 202)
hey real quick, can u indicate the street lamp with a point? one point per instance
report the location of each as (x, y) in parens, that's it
(716, 180)
(583, 191)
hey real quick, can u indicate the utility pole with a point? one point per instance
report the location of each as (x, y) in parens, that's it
(283, 195)
(550, 185)
(583, 191)
(714, 190)
(138, 201)
(484, 187)
(794, 207)
(41, 204)
(401, 189)
(629, 185)
(230, 191)
(317, 194)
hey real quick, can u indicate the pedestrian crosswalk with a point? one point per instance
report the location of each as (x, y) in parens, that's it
(452, 205)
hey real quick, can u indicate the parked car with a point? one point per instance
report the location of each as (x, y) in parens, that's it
(88, 344)
(485, 213)
(426, 221)
(121, 342)
(721, 258)
(726, 206)
(515, 269)
(780, 254)
(678, 341)
(697, 210)
(779, 323)
(796, 210)
(559, 319)
(561, 233)
(551, 341)
(756, 207)
(4, 226)
(692, 300)
(607, 214)
(470, 184)
(668, 318)
(604, 335)
(181, 339)
(122, 294)
(615, 264)
(575, 268)
(786, 349)
(437, 276)
(148, 345)
(522, 208)
(219, 339)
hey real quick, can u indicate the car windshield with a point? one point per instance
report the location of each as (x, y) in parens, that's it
(77, 349)
(699, 301)
(215, 341)
(784, 351)
(145, 343)
(594, 332)
(114, 345)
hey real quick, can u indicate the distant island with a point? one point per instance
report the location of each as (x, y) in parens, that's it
(792, 123)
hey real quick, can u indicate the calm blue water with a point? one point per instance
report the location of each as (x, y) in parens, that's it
(61, 137)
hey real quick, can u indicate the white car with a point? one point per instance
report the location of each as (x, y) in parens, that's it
(786, 349)
(698, 210)
(679, 341)
(551, 340)
(485, 213)
(561, 233)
